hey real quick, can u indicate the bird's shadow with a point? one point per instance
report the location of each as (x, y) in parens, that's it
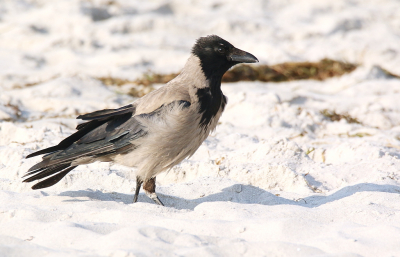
(237, 193)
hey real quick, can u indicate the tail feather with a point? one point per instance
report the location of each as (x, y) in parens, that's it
(45, 172)
(106, 132)
(52, 180)
(41, 165)
(32, 172)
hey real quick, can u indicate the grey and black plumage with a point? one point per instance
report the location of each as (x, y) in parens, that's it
(155, 132)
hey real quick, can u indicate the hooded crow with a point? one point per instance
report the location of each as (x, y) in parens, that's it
(155, 132)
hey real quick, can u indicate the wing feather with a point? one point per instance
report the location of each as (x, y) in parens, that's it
(102, 114)
(108, 132)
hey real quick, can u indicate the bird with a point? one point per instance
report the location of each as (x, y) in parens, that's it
(155, 132)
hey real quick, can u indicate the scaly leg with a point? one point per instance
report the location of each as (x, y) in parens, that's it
(149, 188)
(138, 186)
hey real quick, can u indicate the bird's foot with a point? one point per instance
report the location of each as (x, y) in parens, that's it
(149, 188)
(138, 185)
(154, 197)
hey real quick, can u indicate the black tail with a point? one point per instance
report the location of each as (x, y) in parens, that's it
(105, 132)
(60, 170)
(52, 180)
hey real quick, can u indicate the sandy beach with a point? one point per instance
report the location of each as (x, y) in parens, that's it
(278, 177)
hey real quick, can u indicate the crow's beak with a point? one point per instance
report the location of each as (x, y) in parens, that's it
(241, 56)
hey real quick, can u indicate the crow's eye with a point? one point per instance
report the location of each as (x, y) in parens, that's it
(221, 50)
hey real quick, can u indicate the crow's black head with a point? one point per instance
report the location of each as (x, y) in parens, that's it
(218, 55)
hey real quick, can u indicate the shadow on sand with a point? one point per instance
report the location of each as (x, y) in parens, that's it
(237, 193)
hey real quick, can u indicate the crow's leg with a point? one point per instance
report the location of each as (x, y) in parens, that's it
(138, 185)
(149, 188)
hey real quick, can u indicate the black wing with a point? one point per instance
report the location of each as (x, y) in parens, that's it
(107, 113)
(107, 132)
(96, 118)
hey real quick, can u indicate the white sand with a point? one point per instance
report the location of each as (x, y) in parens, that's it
(277, 178)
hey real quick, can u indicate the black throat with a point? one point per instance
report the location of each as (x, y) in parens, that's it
(211, 100)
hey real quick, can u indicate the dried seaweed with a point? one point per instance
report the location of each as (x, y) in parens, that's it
(333, 116)
(288, 71)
